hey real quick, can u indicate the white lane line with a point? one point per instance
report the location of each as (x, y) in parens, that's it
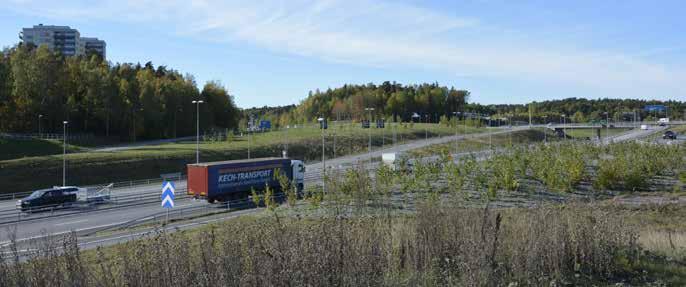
(71, 222)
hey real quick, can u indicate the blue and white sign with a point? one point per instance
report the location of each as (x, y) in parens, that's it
(168, 194)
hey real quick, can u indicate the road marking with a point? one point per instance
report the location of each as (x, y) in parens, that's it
(71, 222)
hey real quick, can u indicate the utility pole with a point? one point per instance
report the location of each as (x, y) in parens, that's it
(64, 153)
(197, 130)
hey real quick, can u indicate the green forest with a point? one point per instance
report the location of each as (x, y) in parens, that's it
(434, 103)
(126, 101)
(133, 101)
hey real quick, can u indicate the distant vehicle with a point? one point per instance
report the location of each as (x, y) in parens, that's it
(663, 120)
(51, 197)
(397, 161)
(644, 127)
(669, 135)
(236, 179)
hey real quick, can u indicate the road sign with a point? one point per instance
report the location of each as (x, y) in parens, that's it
(168, 194)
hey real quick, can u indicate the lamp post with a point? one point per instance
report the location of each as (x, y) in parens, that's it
(39, 127)
(426, 127)
(545, 131)
(197, 130)
(490, 134)
(455, 113)
(369, 132)
(64, 153)
(321, 126)
(564, 126)
(607, 125)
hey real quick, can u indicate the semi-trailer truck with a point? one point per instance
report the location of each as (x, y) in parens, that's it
(235, 179)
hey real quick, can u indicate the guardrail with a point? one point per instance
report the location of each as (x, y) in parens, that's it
(10, 216)
(115, 185)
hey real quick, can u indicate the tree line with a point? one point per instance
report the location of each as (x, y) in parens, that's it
(127, 101)
(434, 103)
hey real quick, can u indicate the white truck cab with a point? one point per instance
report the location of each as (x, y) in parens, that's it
(298, 174)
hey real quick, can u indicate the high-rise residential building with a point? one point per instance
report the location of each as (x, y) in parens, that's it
(95, 45)
(62, 39)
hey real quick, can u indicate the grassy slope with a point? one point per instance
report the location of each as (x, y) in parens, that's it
(591, 133)
(13, 149)
(150, 161)
(481, 143)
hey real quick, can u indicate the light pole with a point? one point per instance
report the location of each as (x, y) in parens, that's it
(197, 130)
(564, 126)
(321, 126)
(383, 133)
(455, 113)
(545, 129)
(39, 129)
(369, 132)
(64, 153)
(286, 149)
(490, 134)
(607, 126)
(426, 127)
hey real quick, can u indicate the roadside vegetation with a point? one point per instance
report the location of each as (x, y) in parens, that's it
(12, 148)
(442, 224)
(304, 142)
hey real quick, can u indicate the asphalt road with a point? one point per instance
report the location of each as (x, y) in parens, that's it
(92, 219)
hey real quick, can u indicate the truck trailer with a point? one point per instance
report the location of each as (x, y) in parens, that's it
(235, 179)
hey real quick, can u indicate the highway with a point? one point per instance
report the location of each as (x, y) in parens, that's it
(142, 201)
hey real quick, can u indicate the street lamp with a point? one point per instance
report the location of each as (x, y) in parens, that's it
(607, 125)
(564, 126)
(39, 129)
(455, 113)
(369, 132)
(426, 127)
(64, 153)
(545, 131)
(321, 126)
(197, 130)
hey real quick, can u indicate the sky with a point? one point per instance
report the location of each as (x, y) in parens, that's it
(502, 51)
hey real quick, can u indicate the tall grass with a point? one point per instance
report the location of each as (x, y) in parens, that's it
(440, 245)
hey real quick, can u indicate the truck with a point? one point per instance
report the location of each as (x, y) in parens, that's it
(236, 179)
(663, 121)
(397, 161)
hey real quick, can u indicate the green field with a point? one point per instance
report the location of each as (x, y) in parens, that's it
(28, 173)
(592, 133)
(14, 148)
(485, 142)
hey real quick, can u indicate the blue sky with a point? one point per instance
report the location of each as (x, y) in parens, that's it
(274, 52)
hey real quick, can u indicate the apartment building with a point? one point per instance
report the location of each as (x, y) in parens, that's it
(62, 39)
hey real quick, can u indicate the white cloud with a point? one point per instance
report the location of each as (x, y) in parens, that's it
(367, 32)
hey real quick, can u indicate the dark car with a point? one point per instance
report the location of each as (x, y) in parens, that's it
(669, 135)
(47, 198)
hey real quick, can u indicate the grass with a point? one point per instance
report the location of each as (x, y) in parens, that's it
(437, 246)
(14, 149)
(438, 241)
(592, 133)
(483, 142)
(83, 168)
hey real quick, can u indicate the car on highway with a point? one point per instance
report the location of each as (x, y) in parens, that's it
(669, 135)
(58, 196)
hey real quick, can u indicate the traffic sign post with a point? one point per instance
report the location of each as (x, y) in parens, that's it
(168, 196)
